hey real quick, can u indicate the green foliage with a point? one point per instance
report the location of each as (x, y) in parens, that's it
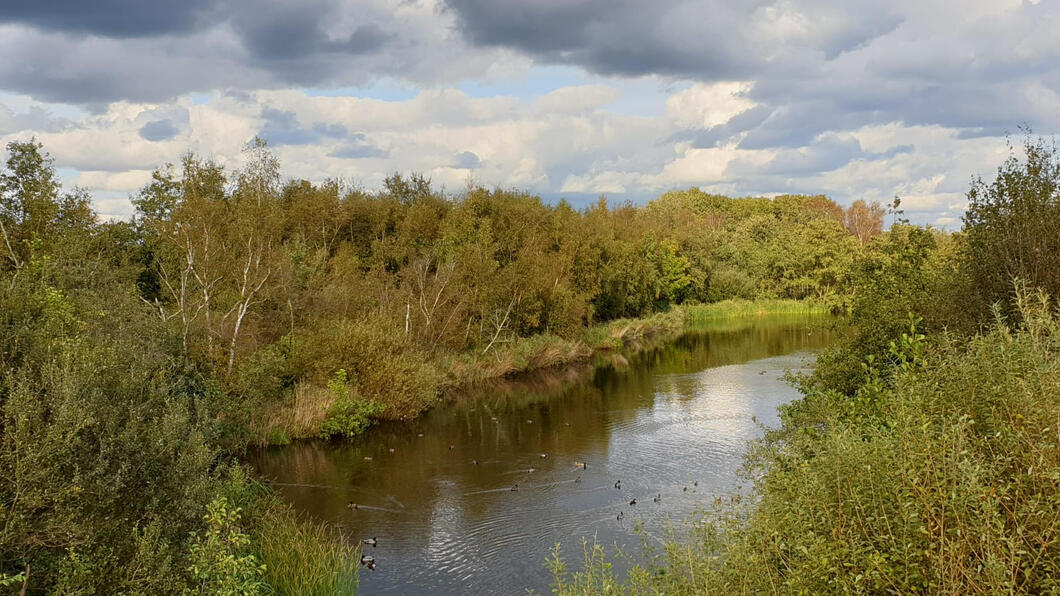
(347, 416)
(940, 476)
(219, 557)
(1012, 227)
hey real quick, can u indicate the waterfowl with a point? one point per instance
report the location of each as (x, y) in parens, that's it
(618, 484)
(566, 424)
(580, 464)
(368, 561)
(391, 450)
(474, 462)
(685, 489)
(577, 480)
(351, 505)
(531, 470)
(451, 447)
(762, 372)
(419, 434)
(657, 498)
(632, 501)
(368, 458)
(696, 483)
(371, 541)
(543, 455)
(619, 516)
(515, 486)
(529, 421)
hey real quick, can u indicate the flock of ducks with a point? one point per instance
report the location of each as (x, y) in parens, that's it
(368, 561)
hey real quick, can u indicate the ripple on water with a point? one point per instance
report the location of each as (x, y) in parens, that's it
(447, 526)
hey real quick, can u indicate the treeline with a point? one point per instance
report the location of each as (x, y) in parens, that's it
(925, 457)
(238, 306)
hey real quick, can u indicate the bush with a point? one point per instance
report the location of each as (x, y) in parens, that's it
(347, 416)
(220, 560)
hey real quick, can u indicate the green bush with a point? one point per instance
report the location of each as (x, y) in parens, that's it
(348, 416)
(220, 561)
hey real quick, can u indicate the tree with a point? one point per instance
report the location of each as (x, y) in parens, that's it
(31, 206)
(1012, 224)
(864, 220)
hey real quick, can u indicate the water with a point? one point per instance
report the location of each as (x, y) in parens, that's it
(670, 423)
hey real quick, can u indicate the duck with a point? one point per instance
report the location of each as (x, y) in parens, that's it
(451, 447)
(657, 498)
(685, 489)
(368, 561)
(580, 464)
(620, 516)
(419, 434)
(618, 484)
(577, 480)
(696, 483)
(515, 486)
(529, 421)
(391, 450)
(474, 462)
(368, 458)
(352, 505)
(566, 424)
(531, 470)
(371, 541)
(632, 502)
(761, 372)
(542, 455)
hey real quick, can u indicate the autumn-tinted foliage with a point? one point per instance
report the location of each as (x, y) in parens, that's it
(237, 306)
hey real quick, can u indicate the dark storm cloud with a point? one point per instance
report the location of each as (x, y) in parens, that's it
(108, 18)
(73, 53)
(611, 37)
(159, 130)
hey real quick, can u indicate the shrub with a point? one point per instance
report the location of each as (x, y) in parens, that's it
(220, 562)
(348, 416)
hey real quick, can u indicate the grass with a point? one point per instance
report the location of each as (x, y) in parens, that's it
(306, 558)
(704, 313)
(300, 556)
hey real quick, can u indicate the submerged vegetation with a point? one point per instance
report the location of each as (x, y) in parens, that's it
(925, 457)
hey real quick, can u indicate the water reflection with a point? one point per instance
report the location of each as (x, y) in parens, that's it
(469, 499)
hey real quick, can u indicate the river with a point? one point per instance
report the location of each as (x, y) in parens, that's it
(470, 498)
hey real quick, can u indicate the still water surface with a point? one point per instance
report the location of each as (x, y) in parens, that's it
(475, 493)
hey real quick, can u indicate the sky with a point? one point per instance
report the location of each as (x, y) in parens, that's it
(573, 99)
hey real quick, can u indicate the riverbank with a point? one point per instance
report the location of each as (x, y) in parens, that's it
(314, 410)
(437, 491)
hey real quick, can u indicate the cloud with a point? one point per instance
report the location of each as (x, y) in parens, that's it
(466, 160)
(358, 147)
(110, 18)
(159, 130)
